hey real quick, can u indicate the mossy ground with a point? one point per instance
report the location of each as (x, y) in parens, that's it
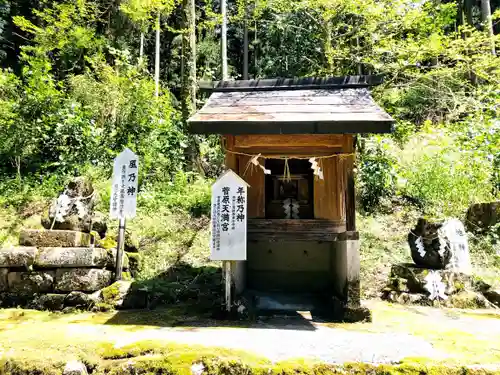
(35, 342)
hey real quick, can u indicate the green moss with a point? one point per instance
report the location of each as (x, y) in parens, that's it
(109, 351)
(111, 293)
(459, 285)
(27, 367)
(107, 243)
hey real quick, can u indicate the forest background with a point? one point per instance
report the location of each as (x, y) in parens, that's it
(82, 79)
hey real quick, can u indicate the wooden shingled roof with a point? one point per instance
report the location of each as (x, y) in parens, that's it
(341, 105)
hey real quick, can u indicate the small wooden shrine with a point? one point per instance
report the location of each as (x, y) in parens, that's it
(293, 142)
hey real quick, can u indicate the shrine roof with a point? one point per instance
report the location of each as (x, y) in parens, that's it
(341, 105)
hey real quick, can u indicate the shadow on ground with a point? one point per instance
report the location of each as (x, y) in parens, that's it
(186, 296)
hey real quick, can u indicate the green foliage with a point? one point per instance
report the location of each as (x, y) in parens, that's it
(187, 192)
(376, 174)
(444, 178)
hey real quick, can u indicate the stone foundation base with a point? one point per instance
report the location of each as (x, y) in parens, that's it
(57, 269)
(407, 285)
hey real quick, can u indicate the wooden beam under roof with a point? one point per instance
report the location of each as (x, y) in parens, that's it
(291, 83)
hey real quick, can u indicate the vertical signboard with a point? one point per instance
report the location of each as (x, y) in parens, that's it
(123, 200)
(229, 218)
(124, 187)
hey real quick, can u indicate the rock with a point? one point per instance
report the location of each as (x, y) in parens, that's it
(22, 256)
(440, 245)
(467, 299)
(4, 285)
(413, 299)
(428, 249)
(31, 282)
(493, 295)
(99, 224)
(480, 285)
(80, 300)
(482, 216)
(122, 295)
(54, 238)
(52, 302)
(56, 257)
(81, 279)
(131, 243)
(357, 314)
(73, 209)
(14, 299)
(407, 277)
(75, 368)
(112, 260)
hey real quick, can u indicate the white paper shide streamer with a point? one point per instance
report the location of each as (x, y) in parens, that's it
(435, 286)
(316, 168)
(255, 161)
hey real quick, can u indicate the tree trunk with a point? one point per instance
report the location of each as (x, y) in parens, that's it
(141, 47)
(223, 6)
(487, 23)
(245, 48)
(157, 57)
(468, 11)
(189, 84)
(256, 60)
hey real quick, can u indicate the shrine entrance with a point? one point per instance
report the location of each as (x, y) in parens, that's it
(293, 142)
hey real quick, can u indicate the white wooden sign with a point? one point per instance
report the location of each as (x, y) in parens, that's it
(229, 218)
(124, 188)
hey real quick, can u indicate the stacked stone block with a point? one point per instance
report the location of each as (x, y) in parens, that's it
(55, 269)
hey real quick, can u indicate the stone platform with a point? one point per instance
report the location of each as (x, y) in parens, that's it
(55, 268)
(408, 285)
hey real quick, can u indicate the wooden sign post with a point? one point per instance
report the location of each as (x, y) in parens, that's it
(123, 201)
(229, 224)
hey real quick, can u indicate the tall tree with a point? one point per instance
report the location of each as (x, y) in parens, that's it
(488, 23)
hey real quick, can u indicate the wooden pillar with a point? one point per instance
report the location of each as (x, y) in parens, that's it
(329, 196)
(350, 192)
(256, 192)
(231, 160)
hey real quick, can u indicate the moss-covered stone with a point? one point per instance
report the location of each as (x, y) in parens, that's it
(122, 295)
(31, 282)
(21, 256)
(80, 300)
(467, 299)
(493, 295)
(54, 238)
(51, 301)
(81, 279)
(71, 257)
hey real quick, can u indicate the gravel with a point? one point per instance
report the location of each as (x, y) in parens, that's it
(329, 345)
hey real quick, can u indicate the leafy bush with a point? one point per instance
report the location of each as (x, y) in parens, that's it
(376, 174)
(445, 179)
(187, 192)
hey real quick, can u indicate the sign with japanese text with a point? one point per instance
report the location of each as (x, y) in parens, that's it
(124, 187)
(229, 218)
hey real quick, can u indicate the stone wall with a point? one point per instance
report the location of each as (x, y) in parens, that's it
(55, 269)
